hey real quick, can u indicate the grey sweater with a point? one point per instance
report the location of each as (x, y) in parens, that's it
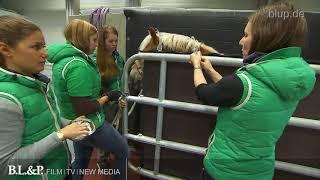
(11, 130)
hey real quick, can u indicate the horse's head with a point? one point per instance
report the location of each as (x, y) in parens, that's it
(163, 42)
(149, 44)
(151, 41)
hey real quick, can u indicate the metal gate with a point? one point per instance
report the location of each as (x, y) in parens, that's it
(162, 103)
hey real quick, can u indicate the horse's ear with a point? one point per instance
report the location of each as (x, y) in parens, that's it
(153, 34)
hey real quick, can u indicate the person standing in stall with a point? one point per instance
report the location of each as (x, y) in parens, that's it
(31, 132)
(78, 86)
(110, 64)
(257, 101)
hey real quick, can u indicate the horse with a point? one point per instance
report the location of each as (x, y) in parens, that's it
(157, 41)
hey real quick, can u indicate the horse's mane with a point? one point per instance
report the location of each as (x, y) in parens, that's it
(144, 43)
(178, 43)
(170, 42)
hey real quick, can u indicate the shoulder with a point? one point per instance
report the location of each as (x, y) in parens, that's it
(76, 65)
(9, 103)
(75, 62)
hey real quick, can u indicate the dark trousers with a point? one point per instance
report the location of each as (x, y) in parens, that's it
(107, 139)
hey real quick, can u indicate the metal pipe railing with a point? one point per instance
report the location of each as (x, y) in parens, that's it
(174, 104)
(167, 144)
(161, 96)
(284, 166)
(162, 103)
(298, 169)
(304, 123)
(294, 121)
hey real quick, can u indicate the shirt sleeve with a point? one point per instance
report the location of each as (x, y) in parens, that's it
(84, 105)
(79, 80)
(11, 130)
(226, 92)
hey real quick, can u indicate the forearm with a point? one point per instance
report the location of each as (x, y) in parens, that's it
(214, 75)
(84, 105)
(227, 92)
(30, 154)
(11, 132)
(198, 77)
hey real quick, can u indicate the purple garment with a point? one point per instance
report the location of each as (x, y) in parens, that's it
(98, 16)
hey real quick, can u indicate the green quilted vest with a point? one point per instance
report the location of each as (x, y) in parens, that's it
(40, 118)
(66, 57)
(243, 142)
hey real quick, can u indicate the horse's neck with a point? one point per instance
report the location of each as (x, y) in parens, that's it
(178, 43)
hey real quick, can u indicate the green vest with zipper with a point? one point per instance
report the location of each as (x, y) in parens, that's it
(67, 60)
(40, 119)
(243, 142)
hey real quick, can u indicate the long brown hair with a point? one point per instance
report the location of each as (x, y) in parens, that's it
(13, 29)
(78, 32)
(107, 66)
(271, 30)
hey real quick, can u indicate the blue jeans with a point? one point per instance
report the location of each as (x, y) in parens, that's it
(107, 139)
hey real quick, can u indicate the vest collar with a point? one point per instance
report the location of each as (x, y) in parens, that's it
(38, 79)
(257, 57)
(260, 57)
(252, 58)
(282, 54)
(85, 56)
